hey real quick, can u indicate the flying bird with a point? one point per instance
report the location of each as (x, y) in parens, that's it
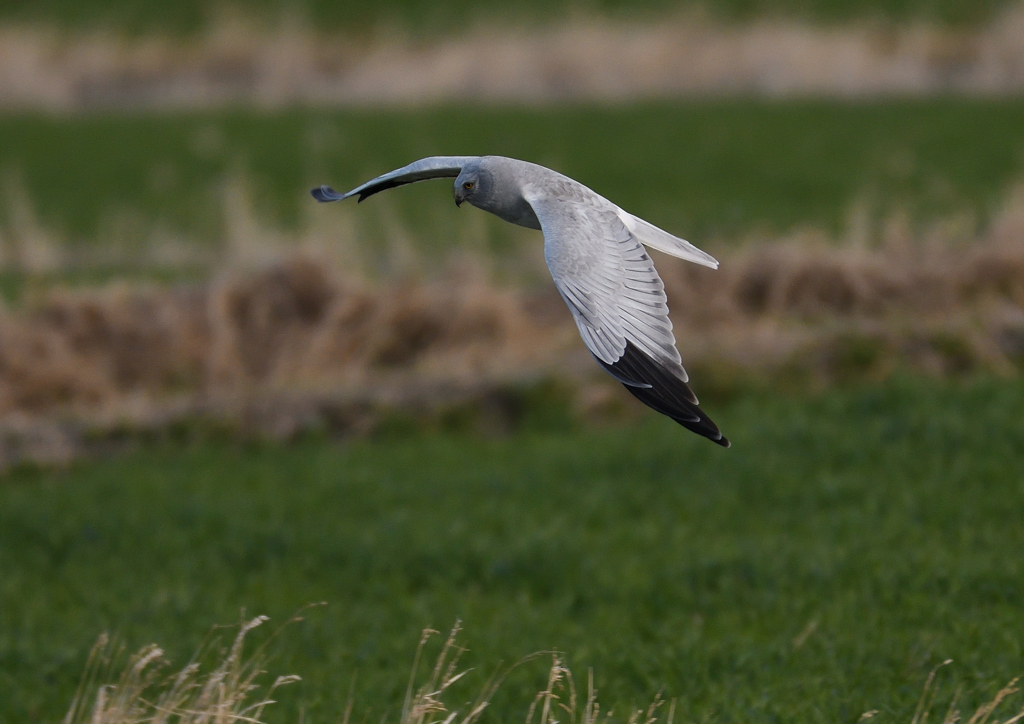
(595, 252)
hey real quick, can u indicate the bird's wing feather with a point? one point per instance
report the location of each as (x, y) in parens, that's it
(425, 168)
(607, 279)
(609, 282)
(650, 235)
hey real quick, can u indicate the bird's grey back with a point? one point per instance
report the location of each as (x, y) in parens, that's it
(515, 183)
(519, 175)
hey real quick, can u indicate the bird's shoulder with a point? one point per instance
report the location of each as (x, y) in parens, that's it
(573, 213)
(540, 183)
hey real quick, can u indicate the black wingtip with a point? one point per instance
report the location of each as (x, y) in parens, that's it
(663, 391)
(324, 194)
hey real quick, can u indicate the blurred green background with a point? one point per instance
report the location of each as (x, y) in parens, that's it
(709, 171)
(882, 517)
(424, 16)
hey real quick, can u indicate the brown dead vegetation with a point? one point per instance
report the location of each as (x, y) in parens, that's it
(291, 326)
(581, 58)
(296, 344)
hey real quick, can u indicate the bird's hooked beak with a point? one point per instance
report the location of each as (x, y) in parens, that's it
(459, 195)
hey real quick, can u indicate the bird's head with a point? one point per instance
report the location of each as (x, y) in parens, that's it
(469, 185)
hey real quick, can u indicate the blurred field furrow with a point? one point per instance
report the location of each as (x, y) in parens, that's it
(586, 59)
(300, 346)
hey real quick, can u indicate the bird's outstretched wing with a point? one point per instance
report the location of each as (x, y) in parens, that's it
(425, 168)
(618, 301)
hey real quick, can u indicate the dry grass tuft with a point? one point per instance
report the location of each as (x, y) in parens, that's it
(276, 350)
(293, 325)
(982, 715)
(143, 693)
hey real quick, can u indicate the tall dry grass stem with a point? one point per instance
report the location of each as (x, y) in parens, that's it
(982, 715)
(231, 692)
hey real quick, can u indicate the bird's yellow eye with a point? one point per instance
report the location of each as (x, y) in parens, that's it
(468, 185)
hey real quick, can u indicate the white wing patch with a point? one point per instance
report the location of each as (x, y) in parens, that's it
(605, 276)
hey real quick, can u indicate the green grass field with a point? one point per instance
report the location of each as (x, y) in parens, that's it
(714, 170)
(425, 16)
(887, 516)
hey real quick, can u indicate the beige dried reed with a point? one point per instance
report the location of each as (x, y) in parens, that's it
(142, 693)
(231, 692)
(583, 57)
(982, 715)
